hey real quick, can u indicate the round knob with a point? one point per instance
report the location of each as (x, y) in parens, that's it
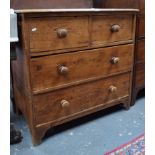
(63, 69)
(62, 33)
(115, 28)
(115, 60)
(112, 89)
(64, 103)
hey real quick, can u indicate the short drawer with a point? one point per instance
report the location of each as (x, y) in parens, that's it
(141, 26)
(62, 69)
(108, 29)
(140, 75)
(77, 99)
(140, 51)
(54, 33)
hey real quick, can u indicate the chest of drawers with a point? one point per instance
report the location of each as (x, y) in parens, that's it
(71, 63)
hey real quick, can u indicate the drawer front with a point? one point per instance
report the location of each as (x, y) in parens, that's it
(56, 33)
(140, 75)
(141, 26)
(140, 51)
(66, 102)
(56, 70)
(108, 29)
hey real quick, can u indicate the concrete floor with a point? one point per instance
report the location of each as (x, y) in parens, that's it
(92, 135)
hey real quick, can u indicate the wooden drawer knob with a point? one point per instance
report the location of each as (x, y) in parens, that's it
(63, 69)
(115, 60)
(115, 28)
(62, 33)
(64, 103)
(112, 89)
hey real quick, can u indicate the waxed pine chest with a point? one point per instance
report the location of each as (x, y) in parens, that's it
(71, 63)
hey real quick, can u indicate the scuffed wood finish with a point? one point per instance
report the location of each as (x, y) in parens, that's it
(45, 71)
(71, 64)
(38, 133)
(49, 4)
(103, 33)
(96, 93)
(44, 33)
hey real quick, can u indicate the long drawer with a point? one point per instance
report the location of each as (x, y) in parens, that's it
(57, 70)
(73, 100)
